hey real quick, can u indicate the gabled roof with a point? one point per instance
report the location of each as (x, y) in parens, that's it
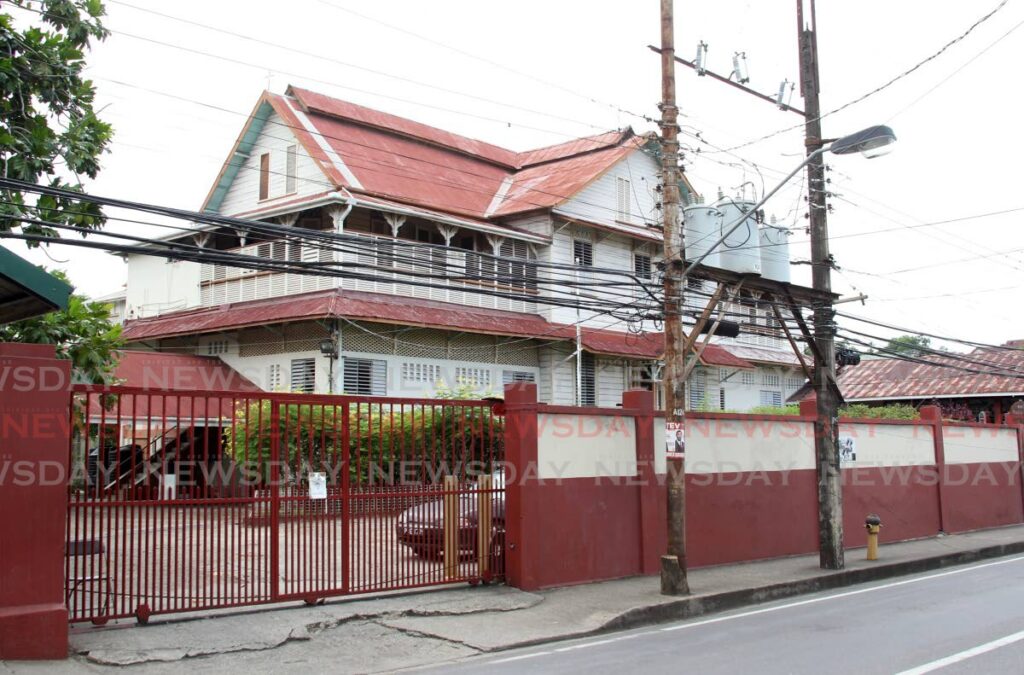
(940, 377)
(363, 151)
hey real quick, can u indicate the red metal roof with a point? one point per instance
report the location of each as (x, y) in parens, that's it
(882, 379)
(406, 311)
(179, 372)
(389, 156)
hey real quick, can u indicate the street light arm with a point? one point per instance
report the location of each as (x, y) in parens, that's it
(734, 226)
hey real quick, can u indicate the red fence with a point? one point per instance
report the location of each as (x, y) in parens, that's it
(188, 501)
(589, 498)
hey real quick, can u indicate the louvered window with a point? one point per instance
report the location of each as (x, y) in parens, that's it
(478, 378)
(290, 180)
(698, 389)
(274, 377)
(303, 375)
(365, 377)
(588, 379)
(623, 201)
(510, 376)
(420, 372)
(582, 253)
(642, 266)
(771, 398)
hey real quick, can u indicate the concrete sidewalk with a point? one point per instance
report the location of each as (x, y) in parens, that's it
(402, 631)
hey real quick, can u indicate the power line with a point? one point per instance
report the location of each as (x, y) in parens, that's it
(495, 64)
(347, 64)
(932, 335)
(886, 85)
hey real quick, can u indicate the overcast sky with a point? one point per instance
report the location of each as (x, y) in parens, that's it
(533, 72)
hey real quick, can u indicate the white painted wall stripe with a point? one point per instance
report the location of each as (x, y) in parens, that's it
(585, 446)
(972, 445)
(335, 158)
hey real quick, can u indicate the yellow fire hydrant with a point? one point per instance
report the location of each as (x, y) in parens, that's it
(874, 524)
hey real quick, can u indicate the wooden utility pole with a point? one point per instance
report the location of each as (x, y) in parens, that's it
(826, 425)
(673, 574)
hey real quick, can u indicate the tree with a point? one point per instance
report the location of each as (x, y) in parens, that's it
(907, 345)
(82, 333)
(49, 132)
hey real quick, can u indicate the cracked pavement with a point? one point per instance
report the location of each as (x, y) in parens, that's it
(353, 636)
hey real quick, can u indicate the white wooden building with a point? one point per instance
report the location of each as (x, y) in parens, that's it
(412, 200)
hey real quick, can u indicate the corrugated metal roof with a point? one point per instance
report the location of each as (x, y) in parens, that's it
(375, 153)
(178, 372)
(406, 311)
(880, 379)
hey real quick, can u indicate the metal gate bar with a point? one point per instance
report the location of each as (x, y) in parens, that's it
(184, 501)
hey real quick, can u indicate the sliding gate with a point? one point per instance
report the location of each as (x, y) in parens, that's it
(189, 501)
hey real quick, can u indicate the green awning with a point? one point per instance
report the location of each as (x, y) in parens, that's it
(27, 290)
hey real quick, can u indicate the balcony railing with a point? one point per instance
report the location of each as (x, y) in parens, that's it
(385, 266)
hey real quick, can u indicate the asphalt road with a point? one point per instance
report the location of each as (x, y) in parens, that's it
(962, 620)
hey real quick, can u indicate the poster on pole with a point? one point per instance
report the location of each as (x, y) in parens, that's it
(847, 450)
(675, 441)
(317, 485)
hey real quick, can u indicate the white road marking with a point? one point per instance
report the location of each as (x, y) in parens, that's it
(836, 596)
(765, 610)
(964, 655)
(521, 657)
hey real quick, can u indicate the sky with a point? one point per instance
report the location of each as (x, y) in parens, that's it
(931, 232)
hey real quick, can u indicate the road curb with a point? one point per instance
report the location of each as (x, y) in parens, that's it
(699, 605)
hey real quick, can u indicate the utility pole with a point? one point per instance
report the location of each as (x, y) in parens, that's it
(673, 565)
(826, 425)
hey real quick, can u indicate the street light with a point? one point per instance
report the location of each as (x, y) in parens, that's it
(871, 142)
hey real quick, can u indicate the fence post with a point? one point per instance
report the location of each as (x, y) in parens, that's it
(34, 502)
(522, 520)
(1011, 420)
(275, 499)
(640, 403)
(933, 415)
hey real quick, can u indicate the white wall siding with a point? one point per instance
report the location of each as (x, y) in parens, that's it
(610, 382)
(276, 136)
(598, 201)
(538, 223)
(155, 286)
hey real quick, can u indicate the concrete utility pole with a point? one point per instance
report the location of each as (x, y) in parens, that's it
(826, 426)
(673, 565)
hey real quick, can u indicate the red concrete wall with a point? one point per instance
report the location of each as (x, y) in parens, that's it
(731, 517)
(982, 495)
(34, 441)
(588, 529)
(906, 498)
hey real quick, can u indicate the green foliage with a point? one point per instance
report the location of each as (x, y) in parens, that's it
(907, 345)
(434, 439)
(792, 409)
(82, 333)
(47, 122)
(894, 411)
(853, 410)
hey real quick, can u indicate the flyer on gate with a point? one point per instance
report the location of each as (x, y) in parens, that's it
(675, 442)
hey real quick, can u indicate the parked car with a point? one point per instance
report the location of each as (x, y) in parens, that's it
(421, 527)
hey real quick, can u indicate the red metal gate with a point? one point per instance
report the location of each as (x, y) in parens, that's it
(188, 501)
